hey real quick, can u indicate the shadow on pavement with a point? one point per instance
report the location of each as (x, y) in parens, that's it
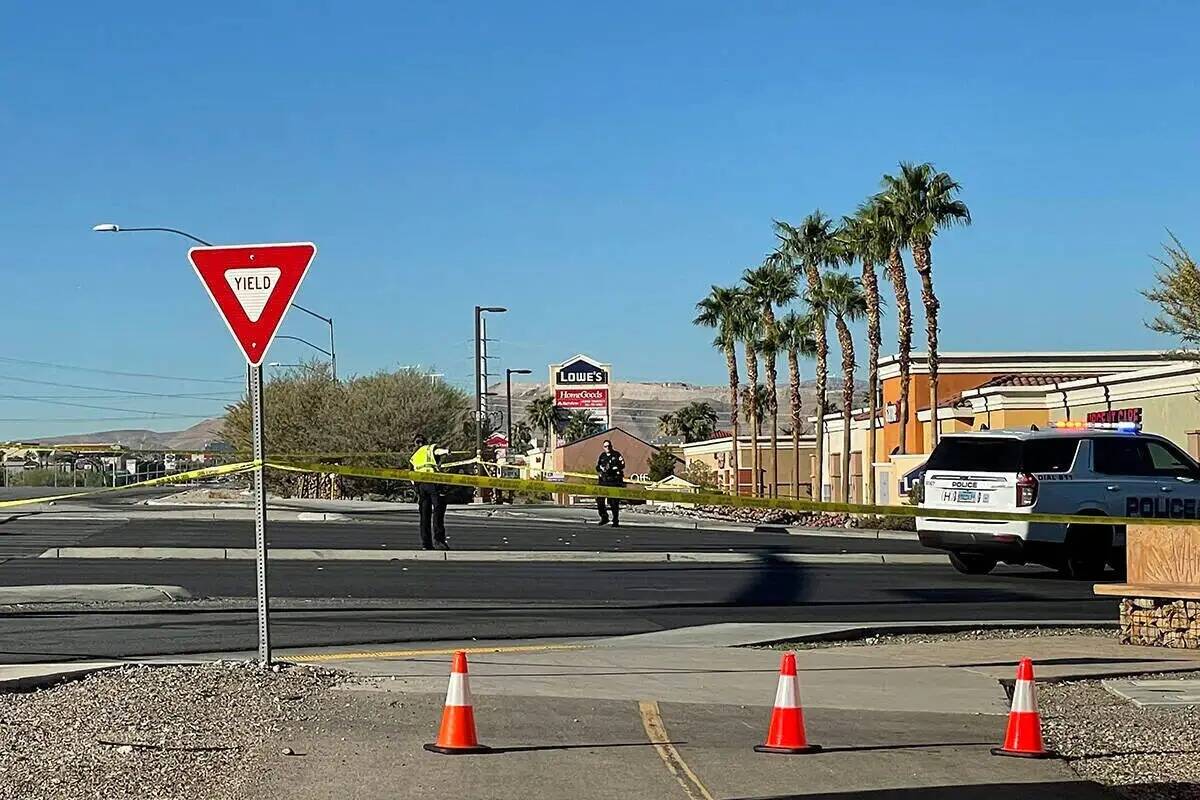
(1056, 790)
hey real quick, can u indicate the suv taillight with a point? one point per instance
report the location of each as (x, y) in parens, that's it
(1027, 490)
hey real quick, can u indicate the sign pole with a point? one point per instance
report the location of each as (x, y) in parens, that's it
(260, 514)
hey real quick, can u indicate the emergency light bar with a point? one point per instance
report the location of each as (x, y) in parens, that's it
(1123, 427)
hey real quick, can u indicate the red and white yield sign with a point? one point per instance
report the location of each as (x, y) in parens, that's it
(252, 285)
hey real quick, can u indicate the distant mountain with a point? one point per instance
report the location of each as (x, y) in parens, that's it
(197, 437)
(638, 405)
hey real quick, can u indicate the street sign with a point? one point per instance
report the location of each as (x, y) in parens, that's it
(253, 286)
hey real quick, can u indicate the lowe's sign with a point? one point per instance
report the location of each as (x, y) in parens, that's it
(581, 372)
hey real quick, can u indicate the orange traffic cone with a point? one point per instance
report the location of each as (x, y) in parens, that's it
(787, 720)
(1024, 735)
(457, 734)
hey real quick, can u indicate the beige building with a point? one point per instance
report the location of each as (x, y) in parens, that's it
(717, 455)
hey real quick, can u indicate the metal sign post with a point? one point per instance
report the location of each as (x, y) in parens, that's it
(260, 514)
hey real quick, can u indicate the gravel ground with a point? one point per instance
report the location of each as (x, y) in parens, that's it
(168, 733)
(1144, 753)
(933, 638)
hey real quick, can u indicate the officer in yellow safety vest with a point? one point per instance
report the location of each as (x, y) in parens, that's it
(431, 504)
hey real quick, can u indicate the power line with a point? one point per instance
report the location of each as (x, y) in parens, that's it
(133, 392)
(101, 419)
(87, 405)
(201, 396)
(51, 365)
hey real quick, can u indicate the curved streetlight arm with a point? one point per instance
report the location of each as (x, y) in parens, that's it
(119, 229)
(307, 342)
(312, 313)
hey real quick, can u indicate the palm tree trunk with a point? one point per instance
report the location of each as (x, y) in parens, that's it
(904, 321)
(846, 342)
(752, 411)
(923, 261)
(731, 362)
(814, 286)
(794, 380)
(871, 291)
(772, 399)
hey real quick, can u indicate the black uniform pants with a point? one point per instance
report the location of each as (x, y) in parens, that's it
(614, 508)
(432, 508)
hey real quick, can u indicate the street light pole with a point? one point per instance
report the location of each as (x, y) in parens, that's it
(508, 373)
(332, 351)
(479, 388)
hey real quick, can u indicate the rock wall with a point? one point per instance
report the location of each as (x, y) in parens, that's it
(1160, 622)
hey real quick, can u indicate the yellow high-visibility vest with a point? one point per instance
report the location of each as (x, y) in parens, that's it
(425, 459)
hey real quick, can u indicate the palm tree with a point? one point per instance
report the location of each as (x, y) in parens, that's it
(694, 422)
(809, 248)
(923, 202)
(581, 424)
(796, 338)
(767, 286)
(865, 238)
(841, 296)
(667, 425)
(544, 416)
(750, 333)
(890, 226)
(722, 310)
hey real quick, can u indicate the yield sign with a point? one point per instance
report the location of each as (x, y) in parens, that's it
(252, 285)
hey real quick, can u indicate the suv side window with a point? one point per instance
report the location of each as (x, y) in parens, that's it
(1119, 456)
(1050, 455)
(1166, 461)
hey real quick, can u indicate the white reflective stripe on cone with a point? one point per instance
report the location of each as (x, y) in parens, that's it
(459, 693)
(1024, 697)
(788, 693)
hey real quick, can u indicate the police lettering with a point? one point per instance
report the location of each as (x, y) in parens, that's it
(1160, 507)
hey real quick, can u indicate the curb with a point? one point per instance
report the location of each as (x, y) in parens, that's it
(91, 593)
(485, 556)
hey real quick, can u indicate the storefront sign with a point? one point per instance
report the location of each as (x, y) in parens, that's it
(581, 372)
(581, 398)
(1116, 415)
(891, 413)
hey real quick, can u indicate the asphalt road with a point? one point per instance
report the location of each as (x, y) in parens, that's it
(368, 602)
(399, 531)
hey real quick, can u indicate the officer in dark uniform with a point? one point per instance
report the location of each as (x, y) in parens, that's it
(431, 504)
(610, 471)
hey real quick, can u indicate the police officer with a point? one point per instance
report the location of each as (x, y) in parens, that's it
(431, 505)
(610, 471)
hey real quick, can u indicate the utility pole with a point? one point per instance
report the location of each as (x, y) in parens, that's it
(508, 373)
(480, 373)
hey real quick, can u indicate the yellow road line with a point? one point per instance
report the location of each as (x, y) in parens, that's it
(367, 655)
(656, 730)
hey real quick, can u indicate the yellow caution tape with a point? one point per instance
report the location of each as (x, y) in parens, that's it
(195, 474)
(711, 498)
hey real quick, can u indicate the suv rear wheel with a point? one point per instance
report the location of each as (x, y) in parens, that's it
(1087, 548)
(972, 563)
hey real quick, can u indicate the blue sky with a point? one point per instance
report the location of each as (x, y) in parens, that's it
(593, 167)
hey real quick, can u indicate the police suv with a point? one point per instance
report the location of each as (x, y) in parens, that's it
(1091, 469)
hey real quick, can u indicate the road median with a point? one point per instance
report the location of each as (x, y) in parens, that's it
(91, 593)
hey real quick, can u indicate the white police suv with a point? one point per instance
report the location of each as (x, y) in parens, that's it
(1090, 469)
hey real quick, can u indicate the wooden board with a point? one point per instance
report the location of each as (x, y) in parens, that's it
(1161, 555)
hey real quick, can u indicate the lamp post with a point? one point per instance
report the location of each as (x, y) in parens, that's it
(332, 351)
(479, 387)
(508, 373)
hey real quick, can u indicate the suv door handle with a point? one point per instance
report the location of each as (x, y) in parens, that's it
(1113, 487)
(1165, 489)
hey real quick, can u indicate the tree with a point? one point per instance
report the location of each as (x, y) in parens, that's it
(661, 464)
(543, 416)
(809, 248)
(924, 202)
(522, 436)
(891, 223)
(695, 422)
(772, 284)
(750, 333)
(797, 337)
(700, 474)
(1177, 294)
(581, 424)
(721, 310)
(865, 238)
(668, 425)
(841, 297)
